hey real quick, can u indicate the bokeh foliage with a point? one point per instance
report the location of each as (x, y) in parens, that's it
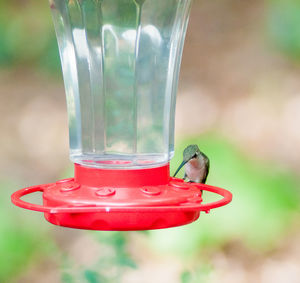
(110, 266)
(22, 239)
(265, 203)
(283, 26)
(28, 38)
(27, 35)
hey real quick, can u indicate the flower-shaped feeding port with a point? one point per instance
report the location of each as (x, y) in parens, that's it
(121, 61)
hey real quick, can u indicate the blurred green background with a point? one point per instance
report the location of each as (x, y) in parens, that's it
(239, 100)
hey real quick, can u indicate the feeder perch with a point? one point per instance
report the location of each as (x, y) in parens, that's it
(120, 62)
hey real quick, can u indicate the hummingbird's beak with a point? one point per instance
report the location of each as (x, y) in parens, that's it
(180, 166)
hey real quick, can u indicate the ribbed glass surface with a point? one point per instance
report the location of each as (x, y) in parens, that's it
(120, 62)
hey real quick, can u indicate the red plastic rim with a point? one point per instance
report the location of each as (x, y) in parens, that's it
(101, 199)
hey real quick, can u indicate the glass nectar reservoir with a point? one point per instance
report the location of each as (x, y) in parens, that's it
(120, 62)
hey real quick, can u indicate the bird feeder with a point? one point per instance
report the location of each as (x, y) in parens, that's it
(120, 62)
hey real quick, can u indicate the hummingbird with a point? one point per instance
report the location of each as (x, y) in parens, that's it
(196, 165)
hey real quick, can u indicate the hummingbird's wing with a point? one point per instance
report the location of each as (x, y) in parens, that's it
(207, 167)
(185, 176)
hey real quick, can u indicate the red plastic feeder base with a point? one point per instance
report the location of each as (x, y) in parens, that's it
(121, 200)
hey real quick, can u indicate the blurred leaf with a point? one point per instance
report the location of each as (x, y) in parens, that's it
(125, 260)
(112, 262)
(92, 276)
(185, 277)
(284, 25)
(49, 59)
(199, 273)
(66, 278)
(27, 37)
(21, 239)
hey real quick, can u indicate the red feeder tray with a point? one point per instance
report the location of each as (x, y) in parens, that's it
(121, 200)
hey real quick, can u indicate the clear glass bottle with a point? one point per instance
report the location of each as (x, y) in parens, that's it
(120, 62)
